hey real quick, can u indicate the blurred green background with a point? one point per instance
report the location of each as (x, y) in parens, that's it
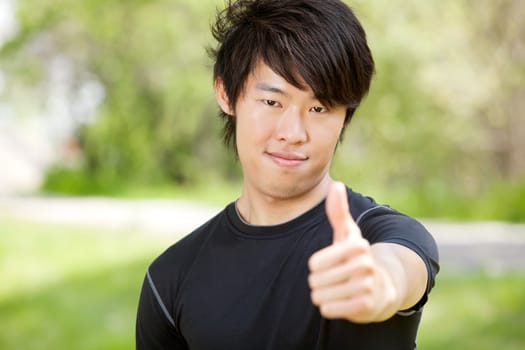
(119, 94)
(126, 87)
(72, 287)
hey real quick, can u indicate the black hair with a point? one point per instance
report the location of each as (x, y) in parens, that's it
(318, 42)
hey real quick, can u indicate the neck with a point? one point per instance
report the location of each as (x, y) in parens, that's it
(256, 208)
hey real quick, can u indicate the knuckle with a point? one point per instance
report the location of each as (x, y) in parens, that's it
(368, 286)
(362, 246)
(325, 311)
(347, 287)
(311, 281)
(315, 281)
(368, 266)
(365, 306)
(346, 268)
(315, 298)
(312, 263)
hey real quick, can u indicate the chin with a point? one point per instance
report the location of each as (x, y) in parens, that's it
(286, 191)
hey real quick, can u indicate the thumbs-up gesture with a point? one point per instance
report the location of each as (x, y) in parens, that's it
(345, 278)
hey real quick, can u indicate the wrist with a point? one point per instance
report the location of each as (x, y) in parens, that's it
(388, 296)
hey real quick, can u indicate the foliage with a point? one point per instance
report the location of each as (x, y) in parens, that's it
(438, 109)
(157, 115)
(66, 181)
(442, 121)
(67, 286)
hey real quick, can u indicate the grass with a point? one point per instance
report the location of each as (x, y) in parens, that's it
(475, 311)
(70, 287)
(218, 193)
(67, 287)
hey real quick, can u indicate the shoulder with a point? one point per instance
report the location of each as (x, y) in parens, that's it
(178, 258)
(164, 281)
(359, 204)
(381, 223)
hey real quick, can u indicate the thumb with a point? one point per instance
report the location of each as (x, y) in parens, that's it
(338, 212)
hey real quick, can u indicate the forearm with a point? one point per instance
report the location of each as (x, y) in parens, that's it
(402, 278)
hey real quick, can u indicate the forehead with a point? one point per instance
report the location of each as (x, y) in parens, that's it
(262, 77)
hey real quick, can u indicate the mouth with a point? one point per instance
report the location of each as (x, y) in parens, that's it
(287, 159)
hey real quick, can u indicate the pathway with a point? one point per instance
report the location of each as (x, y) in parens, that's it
(495, 246)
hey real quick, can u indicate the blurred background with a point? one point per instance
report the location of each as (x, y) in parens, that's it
(110, 150)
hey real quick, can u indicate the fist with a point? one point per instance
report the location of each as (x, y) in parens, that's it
(345, 280)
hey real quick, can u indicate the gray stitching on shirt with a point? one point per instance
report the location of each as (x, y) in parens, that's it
(360, 217)
(406, 313)
(159, 300)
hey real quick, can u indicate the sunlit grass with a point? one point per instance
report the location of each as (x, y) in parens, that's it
(479, 311)
(214, 192)
(35, 255)
(69, 287)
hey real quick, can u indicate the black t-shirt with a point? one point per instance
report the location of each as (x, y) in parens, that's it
(230, 285)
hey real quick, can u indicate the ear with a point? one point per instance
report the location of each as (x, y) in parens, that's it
(222, 97)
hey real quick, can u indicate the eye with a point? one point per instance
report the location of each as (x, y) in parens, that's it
(318, 109)
(271, 103)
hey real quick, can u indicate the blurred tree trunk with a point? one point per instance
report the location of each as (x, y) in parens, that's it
(500, 32)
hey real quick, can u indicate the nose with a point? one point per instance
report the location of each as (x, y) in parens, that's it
(290, 127)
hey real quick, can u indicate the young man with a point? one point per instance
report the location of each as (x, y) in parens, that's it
(298, 261)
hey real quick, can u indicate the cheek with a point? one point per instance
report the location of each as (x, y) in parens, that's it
(253, 128)
(327, 134)
(248, 139)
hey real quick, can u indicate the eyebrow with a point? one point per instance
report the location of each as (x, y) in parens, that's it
(270, 88)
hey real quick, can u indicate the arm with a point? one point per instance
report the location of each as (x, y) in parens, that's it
(363, 283)
(405, 271)
(155, 329)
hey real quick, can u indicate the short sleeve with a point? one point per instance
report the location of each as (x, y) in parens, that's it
(155, 329)
(389, 226)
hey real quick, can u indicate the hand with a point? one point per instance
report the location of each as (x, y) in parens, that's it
(345, 279)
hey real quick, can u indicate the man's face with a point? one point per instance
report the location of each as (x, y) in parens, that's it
(285, 137)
